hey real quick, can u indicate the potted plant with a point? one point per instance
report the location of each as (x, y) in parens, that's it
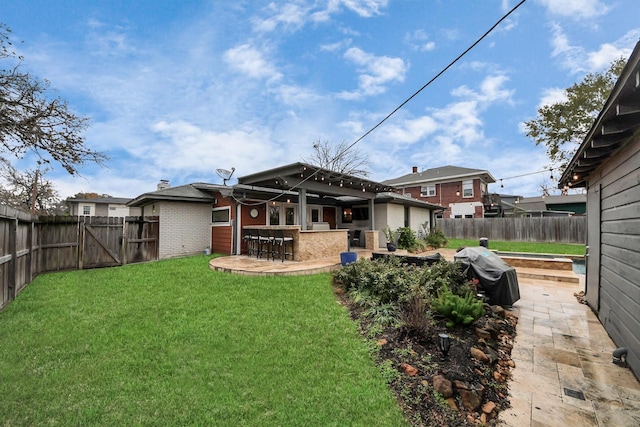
(392, 238)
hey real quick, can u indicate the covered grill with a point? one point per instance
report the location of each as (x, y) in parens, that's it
(496, 278)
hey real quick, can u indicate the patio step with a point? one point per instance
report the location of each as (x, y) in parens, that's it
(546, 274)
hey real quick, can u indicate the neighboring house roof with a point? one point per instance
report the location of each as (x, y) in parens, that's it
(102, 200)
(613, 128)
(556, 200)
(441, 174)
(181, 193)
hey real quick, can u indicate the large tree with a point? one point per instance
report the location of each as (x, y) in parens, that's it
(339, 158)
(561, 127)
(31, 120)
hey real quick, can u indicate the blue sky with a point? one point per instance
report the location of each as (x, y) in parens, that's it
(177, 89)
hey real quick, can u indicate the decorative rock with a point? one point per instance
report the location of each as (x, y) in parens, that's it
(452, 404)
(470, 399)
(483, 333)
(442, 386)
(497, 376)
(483, 419)
(499, 311)
(381, 342)
(409, 370)
(479, 354)
(511, 363)
(488, 407)
(460, 385)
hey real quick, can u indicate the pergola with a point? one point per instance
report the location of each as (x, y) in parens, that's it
(307, 180)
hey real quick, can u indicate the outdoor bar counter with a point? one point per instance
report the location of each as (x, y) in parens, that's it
(311, 244)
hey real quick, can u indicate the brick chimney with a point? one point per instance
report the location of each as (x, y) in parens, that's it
(415, 169)
(164, 183)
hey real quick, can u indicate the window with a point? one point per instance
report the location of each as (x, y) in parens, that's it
(86, 210)
(428, 191)
(221, 216)
(468, 216)
(347, 216)
(360, 214)
(274, 215)
(290, 216)
(467, 188)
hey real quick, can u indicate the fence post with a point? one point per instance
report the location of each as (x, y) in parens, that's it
(13, 248)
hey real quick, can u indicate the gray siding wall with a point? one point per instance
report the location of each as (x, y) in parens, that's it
(619, 305)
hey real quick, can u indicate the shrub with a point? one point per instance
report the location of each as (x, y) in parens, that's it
(436, 239)
(386, 281)
(459, 310)
(407, 238)
(444, 274)
(415, 317)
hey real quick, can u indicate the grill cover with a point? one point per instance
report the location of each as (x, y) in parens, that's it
(497, 279)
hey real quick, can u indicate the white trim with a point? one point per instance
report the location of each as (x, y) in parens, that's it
(221, 224)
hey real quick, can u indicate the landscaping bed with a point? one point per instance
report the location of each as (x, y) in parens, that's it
(468, 387)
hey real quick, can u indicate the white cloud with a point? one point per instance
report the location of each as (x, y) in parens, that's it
(552, 96)
(576, 9)
(419, 40)
(250, 61)
(579, 61)
(375, 72)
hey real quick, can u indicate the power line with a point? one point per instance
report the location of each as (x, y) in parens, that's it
(434, 77)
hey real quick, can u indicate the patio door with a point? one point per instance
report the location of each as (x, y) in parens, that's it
(282, 214)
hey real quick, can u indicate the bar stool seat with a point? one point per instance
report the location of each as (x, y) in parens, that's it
(281, 242)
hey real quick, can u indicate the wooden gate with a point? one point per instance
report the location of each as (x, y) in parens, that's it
(101, 239)
(70, 243)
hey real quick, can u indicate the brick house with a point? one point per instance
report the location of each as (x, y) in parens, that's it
(460, 190)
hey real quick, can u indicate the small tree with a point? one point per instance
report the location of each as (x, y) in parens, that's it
(29, 191)
(339, 158)
(561, 127)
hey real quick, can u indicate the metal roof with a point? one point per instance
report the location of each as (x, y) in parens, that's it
(317, 180)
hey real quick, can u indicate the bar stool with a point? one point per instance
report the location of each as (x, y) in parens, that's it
(251, 241)
(282, 242)
(265, 243)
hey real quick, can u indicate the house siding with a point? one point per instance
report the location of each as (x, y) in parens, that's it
(185, 228)
(619, 249)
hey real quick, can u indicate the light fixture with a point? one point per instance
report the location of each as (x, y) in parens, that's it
(575, 176)
(551, 174)
(444, 344)
(458, 192)
(501, 184)
(288, 200)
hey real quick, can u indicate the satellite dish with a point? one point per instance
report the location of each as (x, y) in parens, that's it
(225, 174)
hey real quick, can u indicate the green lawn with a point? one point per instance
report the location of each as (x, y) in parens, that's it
(534, 247)
(174, 343)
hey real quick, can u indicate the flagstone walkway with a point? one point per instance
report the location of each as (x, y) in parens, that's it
(564, 375)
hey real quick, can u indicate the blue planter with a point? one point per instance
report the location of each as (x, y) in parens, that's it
(348, 257)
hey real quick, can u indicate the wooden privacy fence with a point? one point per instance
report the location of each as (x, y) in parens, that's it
(570, 229)
(31, 245)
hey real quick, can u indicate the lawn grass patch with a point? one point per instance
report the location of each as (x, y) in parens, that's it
(175, 343)
(533, 247)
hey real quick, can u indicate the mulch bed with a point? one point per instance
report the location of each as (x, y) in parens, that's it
(465, 388)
